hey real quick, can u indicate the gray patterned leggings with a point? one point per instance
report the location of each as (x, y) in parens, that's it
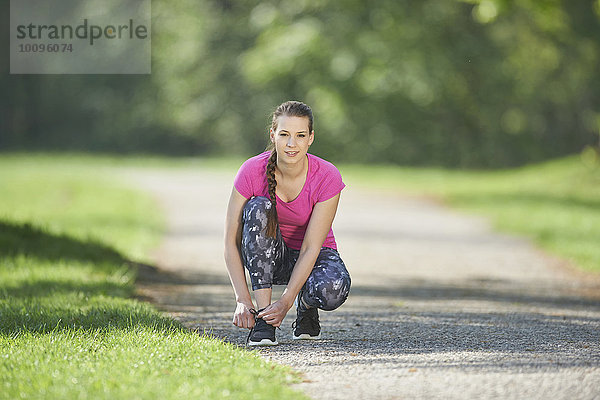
(270, 261)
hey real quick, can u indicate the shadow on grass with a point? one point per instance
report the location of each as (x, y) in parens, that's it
(22, 317)
(54, 287)
(26, 239)
(41, 304)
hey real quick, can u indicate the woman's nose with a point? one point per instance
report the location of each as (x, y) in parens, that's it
(291, 142)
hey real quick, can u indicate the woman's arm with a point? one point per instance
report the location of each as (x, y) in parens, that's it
(316, 232)
(233, 234)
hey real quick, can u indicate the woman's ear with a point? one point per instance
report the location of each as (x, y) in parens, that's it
(311, 137)
(272, 135)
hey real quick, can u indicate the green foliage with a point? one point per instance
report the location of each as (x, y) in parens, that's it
(69, 327)
(462, 83)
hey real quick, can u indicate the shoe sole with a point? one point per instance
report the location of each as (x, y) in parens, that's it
(306, 336)
(264, 342)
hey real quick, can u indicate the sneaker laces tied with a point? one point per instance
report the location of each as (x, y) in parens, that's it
(255, 313)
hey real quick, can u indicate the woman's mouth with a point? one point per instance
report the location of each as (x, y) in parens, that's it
(292, 153)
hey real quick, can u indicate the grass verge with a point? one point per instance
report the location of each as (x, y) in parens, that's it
(68, 325)
(556, 204)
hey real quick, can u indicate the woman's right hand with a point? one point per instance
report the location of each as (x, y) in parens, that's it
(243, 318)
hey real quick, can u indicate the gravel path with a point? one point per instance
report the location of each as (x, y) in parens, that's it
(440, 307)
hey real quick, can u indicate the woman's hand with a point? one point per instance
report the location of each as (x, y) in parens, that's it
(275, 313)
(242, 317)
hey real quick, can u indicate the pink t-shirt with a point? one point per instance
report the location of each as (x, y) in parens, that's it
(323, 181)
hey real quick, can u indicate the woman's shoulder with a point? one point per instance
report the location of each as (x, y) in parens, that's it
(250, 178)
(326, 180)
(322, 166)
(258, 161)
(262, 157)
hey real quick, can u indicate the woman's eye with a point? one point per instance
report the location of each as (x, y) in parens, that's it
(301, 135)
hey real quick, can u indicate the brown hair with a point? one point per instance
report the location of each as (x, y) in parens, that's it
(291, 109)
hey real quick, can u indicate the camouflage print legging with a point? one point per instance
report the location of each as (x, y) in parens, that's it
(270, 261)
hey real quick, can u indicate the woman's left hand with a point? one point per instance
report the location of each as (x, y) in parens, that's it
(275, 313)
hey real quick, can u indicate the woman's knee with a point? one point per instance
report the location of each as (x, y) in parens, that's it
(256, 208)
(334, 293)
(328, 291)
(258, 203)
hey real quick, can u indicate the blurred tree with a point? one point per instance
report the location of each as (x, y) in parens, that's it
(463, 83)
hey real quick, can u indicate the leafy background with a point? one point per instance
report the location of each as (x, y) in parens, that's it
(454, 83)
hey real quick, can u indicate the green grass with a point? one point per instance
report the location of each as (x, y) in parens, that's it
(107, 160)
(556, 204)
(73, 196)
(69, 327)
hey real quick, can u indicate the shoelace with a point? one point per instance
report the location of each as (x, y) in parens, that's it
(255, 313)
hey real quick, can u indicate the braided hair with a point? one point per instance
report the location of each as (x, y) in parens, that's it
(291, 109)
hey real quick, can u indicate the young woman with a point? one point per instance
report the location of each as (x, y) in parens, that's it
(278, 227)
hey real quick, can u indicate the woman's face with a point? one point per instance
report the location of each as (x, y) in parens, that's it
(292, 139)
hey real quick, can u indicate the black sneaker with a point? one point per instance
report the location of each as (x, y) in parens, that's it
(306, 325)
(262, 334)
